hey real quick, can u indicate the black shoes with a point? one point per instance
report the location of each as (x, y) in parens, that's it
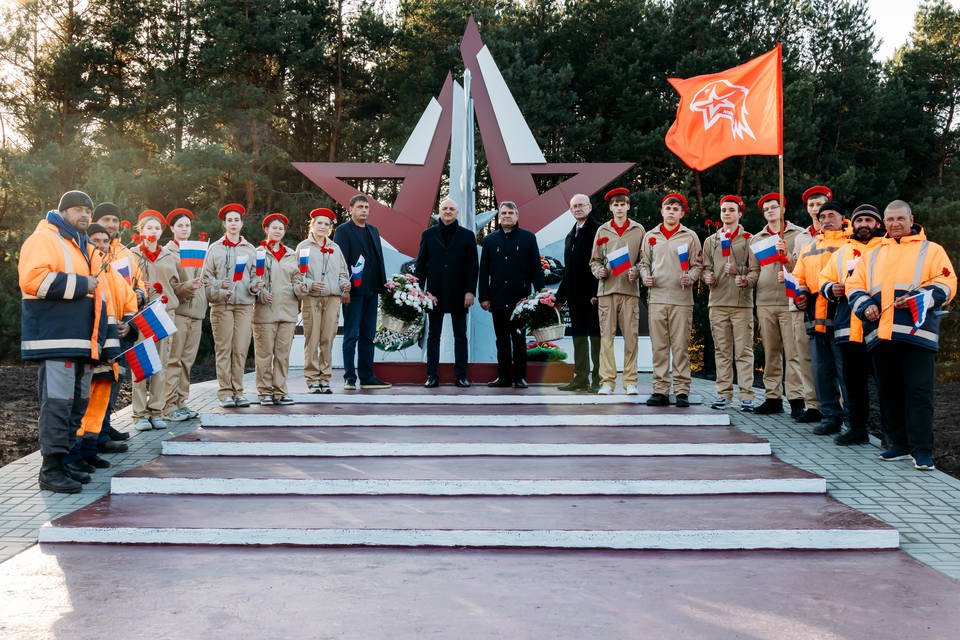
(575, 385)
(463, 383)
(80, 476)
(96, 461)
(432, 381)
(796, 408)
(826, 429)
(658, 400)
(770, 405)
(852, 436)
(79, 465)
(109, 446)
(117, 435)
(682, 400)
(520, 383)
(499, 382)
(53, 478)
(810, 415)
(374, 383)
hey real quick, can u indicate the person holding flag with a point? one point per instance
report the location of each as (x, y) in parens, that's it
(614, 262)
(323, 284)
(163, 278)
(107, 215)
(275, 312)
(231, 290)
(670, 266)
(731, 271)
(901, 333)
(847, 328)
(820, 311)
(357, 239)
(774, 250)
(191, 255)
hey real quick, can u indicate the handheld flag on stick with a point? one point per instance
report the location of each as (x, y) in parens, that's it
(725, 244)
(143, 360)
(919, 305)
(684, 257)
(153, 322)
(304, 259)
(261, 263)
(791, 283)
(122, 266)
(193, 253)
(619, 260)
(766, 250)
(239, 267)
(357, 271)
(851, 265)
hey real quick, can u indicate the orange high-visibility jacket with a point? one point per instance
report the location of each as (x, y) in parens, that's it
(846, 326)
(818, 316)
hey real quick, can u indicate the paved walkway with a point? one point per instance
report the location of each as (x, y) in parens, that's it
(924, 506)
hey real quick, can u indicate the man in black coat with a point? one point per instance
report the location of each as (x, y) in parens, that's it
(510, 270)
(447, 268)
(579, 290)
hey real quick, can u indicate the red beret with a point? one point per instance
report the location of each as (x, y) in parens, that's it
(323, 212)
(769, 196)
(275, 216)
(735, 200)
(817, 191)
(679, 197)
(619, 191)
(231, 207)
(150, 213)
(176, 213)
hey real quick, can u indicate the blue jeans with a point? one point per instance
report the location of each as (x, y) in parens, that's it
(359, 326)
(827, 360)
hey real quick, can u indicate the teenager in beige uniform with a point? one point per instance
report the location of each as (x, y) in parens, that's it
(670, 304)
(231, 305)
(731, 280)
(324, 286)
(275, 313)
(162, 278)
(773, 313)
(189, 321)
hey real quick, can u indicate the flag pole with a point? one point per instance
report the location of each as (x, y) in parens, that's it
(782, 207)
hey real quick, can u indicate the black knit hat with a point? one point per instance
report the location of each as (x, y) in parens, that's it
(832, 205)
(95, 228)
(74, 199)
(867, 210)
(106, 209)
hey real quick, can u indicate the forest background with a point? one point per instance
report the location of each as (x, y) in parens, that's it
(195, 103)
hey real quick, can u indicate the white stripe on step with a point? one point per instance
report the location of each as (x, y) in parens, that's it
(359, 398)
(308, 420)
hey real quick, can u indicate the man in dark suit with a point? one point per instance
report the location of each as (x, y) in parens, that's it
(357, 238)
(509, 267)
(447, 268)
(579, 290)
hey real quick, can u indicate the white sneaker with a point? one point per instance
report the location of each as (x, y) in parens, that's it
(242, 401)
(227, 402)
(143, 424)
(190, 413)
(631, 390)
(605, 390)
(158, 423)
(177, 415)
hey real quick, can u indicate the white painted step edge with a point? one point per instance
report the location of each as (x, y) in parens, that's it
(521, 487)
(362, 449)
(579, 399)
(452, 420)
(626, 539)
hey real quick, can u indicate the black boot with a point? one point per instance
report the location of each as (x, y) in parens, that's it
(96, 461)
(79, 465)
(109, 446)
(117, 435)
(80, 476)
(770, 405)
(852, 436)
(52, 477)
(796, 407)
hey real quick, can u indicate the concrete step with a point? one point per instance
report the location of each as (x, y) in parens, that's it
(618, 522)
(469, 475)
(472, 399)
(460, 441)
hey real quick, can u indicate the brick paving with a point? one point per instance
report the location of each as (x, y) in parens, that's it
(924, 506)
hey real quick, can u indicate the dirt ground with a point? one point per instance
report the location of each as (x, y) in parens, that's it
(20, 406)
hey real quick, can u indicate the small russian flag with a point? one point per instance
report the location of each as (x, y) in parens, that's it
(619, 260)
(193, 253)
(919, 305)
(684, 257)
(791, 283)
(261, 262)
(122, 266)
(357, 271)
(851, 265)
(766, 250)
(143, 360)
(153, 321)
(725, 244)
(239, 267)
(304, 259)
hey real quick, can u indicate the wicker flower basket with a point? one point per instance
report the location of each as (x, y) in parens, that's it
(394, 324)
(550, 332)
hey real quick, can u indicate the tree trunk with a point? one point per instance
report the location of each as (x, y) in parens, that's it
(696, 175)
(338, 88)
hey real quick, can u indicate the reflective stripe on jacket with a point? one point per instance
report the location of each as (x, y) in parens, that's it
(846, 326)
(818, 316)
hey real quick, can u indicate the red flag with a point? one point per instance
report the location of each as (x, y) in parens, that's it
(735, 112)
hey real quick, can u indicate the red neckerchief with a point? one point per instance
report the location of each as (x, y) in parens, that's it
(771, 231)
(323, 246)
(620, 230)
(279, 253)
(176, 242)
(813, 231)
(668, 234)
(150, 255)
(227, 243)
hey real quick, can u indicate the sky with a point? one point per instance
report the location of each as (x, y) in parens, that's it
(894, 21)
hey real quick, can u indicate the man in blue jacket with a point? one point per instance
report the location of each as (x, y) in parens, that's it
(356, 238)
(509, 267)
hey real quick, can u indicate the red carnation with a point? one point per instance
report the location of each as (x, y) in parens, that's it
(718, 224)
(652, 241)
(151, 238)
(263, 243)
(164, 299)
(708, 222)
(946, 272)
(203, 236)
(158, 287)
(135, 237)
(856, 253)
(746, 235)
(602, 241)
(125, 224)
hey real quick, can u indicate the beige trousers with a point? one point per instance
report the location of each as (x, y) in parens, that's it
(271, 348)
(150, 395)
(803, 360)
(231, 326)
(670, 326)
(183, 353)
(779, 344)
(732, 329)
(614, 309)
(321, 317)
